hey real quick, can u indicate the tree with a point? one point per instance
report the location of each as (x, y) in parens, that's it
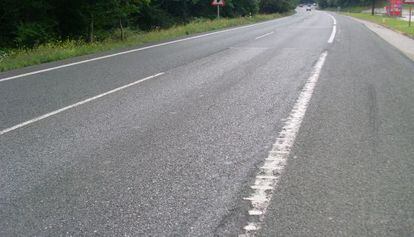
(123, 9)
(274, 6)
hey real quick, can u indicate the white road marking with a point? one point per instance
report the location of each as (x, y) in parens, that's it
(129, 51)
(332, 37)
(262, 36)
(76, 104)
(268, 176)
(333, 18)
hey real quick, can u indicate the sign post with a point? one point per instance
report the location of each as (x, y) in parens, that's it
(219, 3)
(410, 12)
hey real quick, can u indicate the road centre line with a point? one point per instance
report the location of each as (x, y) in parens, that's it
(270, 33)
(268, 176)
(2, 132)
(130, 51)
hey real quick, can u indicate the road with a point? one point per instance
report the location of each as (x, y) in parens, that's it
(174, 139)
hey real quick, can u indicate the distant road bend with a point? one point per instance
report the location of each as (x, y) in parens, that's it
(300, 126)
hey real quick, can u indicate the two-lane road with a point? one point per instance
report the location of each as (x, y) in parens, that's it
(171, 139)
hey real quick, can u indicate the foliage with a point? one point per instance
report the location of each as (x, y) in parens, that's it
(62, 49)
(349, 4)
(28, 23)
(271, 6)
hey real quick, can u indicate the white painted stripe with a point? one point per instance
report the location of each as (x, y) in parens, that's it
(270, 33)
(331, 39)
(255, 212)
(264, 186)
(130, 51)
(333, 18)
(76, 104)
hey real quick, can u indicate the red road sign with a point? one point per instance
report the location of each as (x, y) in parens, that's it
(218, 3)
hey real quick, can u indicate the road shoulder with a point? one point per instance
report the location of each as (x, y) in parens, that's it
(404, 43)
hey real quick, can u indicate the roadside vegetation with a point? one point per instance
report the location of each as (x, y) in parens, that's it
(362, 9)
(349, 5)
(39, 31)
(353, 9)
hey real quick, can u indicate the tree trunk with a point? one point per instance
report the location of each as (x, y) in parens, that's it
(91, 30)
(373, 7)
(121, 28)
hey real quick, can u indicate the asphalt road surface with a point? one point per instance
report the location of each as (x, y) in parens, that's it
(170, 140)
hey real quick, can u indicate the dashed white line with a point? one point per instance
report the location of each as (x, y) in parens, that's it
(262, 36)
(76, 104)
(268, 176)
(128, 51)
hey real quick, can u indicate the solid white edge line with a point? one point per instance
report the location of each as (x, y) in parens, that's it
(267, 179)
(265, 35)
(132, 50)
(76, 104)
(333, 18)
(331, 39)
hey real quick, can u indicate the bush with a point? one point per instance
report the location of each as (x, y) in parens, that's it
(32, 34)
(276, 6)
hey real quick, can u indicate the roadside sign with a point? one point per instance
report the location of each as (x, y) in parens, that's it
(410, 12)
(394, 8)
(220, 3)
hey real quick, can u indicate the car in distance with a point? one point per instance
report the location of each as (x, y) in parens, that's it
(308, 8)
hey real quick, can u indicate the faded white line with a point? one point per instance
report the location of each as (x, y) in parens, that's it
(129, 51)
(75, 105)
(270, 33)
(269, 174)
(332, 37)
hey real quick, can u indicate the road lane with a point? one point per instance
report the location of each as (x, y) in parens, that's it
(175, 155)
(171, 156)
(352, 169)
(28, 97)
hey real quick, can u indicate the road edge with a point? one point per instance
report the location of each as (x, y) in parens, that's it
(30, 70)
(391, 36)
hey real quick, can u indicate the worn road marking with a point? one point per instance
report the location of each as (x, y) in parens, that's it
(268, 176)
(262, 36)
(131, 51)
(76, 104)
(332, 37)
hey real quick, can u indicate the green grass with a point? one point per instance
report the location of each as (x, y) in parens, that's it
(359, 9)
(389, 22)
(18, 58)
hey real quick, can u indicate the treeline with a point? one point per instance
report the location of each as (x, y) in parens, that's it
(343, 3)
(27, 23)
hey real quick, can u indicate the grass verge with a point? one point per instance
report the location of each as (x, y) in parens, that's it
(353, 9)
(18, 58)
(389, 22)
